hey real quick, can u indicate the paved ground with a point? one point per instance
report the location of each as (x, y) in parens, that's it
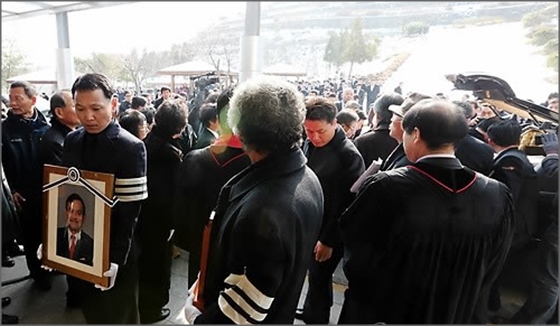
(36, 307)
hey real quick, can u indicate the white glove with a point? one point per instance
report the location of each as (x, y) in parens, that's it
(40, 256)
(191, 312)
(112, 275)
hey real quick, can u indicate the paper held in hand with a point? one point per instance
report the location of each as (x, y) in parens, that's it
(371, 170)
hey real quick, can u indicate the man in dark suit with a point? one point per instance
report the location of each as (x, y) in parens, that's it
(71, 241)
(209, 126)
(372, 91)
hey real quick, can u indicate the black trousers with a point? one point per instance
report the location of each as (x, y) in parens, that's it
(154, 270)
(319, 299)
(31, 223)
(119, 305)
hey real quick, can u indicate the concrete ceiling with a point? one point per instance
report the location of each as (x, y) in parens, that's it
(23, 9)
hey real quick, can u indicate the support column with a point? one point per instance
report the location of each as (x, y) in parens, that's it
(64, 59)
(251, 46)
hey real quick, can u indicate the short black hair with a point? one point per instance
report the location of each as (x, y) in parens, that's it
(93, 81)
(505, 133)
(73, 197)
(171, 117)
(130, 120)
(208, 113)
(382, 104)
(318, 108)
(137, 102)
(439, 122)
(165, 88)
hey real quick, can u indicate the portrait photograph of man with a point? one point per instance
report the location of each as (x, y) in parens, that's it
(73, 241)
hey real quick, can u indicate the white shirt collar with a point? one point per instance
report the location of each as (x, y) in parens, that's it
(213, 132)
(77, 235)
(436, 156)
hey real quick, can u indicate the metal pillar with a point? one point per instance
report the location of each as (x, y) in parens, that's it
(64, 59)
(251, 47)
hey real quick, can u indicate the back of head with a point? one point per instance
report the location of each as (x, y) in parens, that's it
(347, 117)
(352, 104)
(505, 133)
(171, 118)
(382, 104)
(92, 82)
(57, 101)
(466, 108)
(138, 102)
(222, 105)
(267, 114)
(409, 101)
(131, 120)
(208, 113)
(439, 122)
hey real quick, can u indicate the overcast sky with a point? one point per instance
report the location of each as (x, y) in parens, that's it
(154, 25)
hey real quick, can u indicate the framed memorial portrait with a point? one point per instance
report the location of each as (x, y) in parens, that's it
(76, 222)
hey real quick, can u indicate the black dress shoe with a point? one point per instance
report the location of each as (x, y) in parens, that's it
(164, 313)
(6, 301)
(16, 250)
(9, 319)
(7, 261)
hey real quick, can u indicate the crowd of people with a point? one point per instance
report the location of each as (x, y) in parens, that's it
(428, 202)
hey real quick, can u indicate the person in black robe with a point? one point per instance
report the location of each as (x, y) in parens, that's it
(417, 250)
(201, 176)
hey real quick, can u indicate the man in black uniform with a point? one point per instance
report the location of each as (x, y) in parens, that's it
(103, 146)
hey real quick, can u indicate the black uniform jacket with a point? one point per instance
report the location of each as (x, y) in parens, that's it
(475, 154)
(423, 242)
(513, 168)
(118, 152)
(265, 227)
(337, 165)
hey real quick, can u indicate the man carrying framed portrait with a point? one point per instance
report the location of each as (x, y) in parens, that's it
(103, 146)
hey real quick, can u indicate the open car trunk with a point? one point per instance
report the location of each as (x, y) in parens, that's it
(497, 92)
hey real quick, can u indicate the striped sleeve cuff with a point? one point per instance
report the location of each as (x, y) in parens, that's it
(242, 302)
(131, 189)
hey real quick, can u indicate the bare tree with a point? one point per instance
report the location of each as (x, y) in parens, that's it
(109, 64)
(138, 67)
(13, 61)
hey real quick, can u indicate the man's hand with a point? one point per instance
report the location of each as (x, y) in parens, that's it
(191, 312)
(322, 252)
(40, 256)
(112, 275)
(18, 200)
